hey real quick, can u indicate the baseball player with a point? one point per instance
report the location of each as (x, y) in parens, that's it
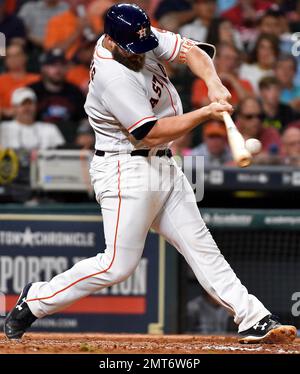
(135, 112)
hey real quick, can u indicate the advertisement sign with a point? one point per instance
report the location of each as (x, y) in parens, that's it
(37, 247)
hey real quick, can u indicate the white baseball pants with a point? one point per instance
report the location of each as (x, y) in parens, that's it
(137, 193)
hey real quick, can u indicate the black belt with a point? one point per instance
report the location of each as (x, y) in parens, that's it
(143, 152)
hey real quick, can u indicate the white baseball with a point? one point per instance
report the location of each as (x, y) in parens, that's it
(253, 146)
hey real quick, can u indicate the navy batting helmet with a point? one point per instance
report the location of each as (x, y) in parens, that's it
(129, 27)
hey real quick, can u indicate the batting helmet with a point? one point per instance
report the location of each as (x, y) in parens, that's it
(129, 27)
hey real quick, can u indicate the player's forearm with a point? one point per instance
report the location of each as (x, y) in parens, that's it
(171, 128)
(167, 129)
(201, 65)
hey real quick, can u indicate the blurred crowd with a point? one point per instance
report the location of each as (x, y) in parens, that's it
(44, 74)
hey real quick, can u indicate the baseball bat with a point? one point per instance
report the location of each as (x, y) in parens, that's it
(240, 154)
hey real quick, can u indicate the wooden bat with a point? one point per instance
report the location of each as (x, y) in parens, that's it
(240, 154)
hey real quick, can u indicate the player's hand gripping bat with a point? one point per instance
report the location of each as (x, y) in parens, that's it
(240, 154)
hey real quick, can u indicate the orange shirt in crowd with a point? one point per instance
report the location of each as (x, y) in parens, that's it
(8, 84)
(199, 91)
(59, 29)
(62, 26)
(80, 76)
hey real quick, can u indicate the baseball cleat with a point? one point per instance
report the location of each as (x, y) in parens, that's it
(20, 318)
(270, 331)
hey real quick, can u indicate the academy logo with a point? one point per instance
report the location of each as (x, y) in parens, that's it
(51, 238)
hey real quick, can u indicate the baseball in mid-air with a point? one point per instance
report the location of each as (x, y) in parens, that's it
(253, 146)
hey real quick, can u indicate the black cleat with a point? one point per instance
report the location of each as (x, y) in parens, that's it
(20, 318)
(268, 330)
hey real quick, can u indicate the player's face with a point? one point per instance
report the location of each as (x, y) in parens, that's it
(130, 60)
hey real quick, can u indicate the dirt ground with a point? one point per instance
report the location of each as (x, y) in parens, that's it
(170, 344)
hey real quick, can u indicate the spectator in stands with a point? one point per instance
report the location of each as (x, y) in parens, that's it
(214, 148)
(15, 76)
(270, 22)
(249, 115)
(24, 132)
(275, 22)
(59, 102)
(221, 31)
(285, 71)
(291, 146)
(79, 72)
(206, 316)
(227, 65)
(262, 61)
(246, 12)
(11, 26)
(171, 14)
(36, 14)
(65, 30)
(205, 13)
(277, 114)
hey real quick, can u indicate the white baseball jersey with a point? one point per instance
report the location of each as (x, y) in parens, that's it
(121, 100)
